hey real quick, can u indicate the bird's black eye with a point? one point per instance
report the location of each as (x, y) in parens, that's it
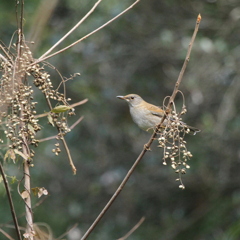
(132, 97)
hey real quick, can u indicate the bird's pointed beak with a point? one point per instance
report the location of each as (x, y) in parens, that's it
(121, 97)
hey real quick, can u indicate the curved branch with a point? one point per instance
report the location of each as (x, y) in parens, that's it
(147, 146)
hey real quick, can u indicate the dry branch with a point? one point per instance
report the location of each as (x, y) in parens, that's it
(71, 127)
(74, 28)
(6, 235)
(86, 36)
(10, 202)
(133, 229)
(64, 234)
(147, 146)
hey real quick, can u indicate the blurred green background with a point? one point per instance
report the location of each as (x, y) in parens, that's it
(142, 52)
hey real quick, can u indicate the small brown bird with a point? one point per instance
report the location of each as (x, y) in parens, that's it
(146, 115)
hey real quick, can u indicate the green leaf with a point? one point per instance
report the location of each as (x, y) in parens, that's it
(13, 179)
(50, 119)
(60, 108)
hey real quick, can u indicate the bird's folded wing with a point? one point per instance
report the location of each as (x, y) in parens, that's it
(157, 111)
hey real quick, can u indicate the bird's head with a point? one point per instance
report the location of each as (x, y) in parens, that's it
(132, 99)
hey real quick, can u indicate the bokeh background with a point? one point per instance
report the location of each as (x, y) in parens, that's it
(142, 52)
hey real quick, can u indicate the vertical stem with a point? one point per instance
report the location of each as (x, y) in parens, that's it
(26, 152)
(10, 202)
(28, 204)
(18, 77)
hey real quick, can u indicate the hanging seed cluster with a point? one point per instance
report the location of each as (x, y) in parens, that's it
(175, 152)
(16, 102)
(17, 106)
(43, 82)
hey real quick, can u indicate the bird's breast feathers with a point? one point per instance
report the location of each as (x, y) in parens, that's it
(146, 118)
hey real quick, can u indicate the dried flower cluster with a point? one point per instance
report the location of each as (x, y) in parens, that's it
(16, 102)
(20, 78)
(17, 106)
(171, 139)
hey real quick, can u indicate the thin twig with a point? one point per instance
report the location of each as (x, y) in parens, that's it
(3, 47)
(78, 103)
(11, 226)
(53, 137)
(47, 138)
(63, 139)
(86, 36)
(23, 214)
(3, 58)
(114, 196)
(76, 123)
(40, 202)
(43, 234)
(133, 229)
(10, 202)
(74, 28)
(71, 106)
(146, 146)
(175, 91)
(69, 155)
(6, 235)
(64, 234)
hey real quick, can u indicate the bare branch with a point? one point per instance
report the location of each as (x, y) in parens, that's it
(47, 138)
(133, 229)
(64, 234)
(10, 202)
(53, 137)
(6, 235)
(146, 146)
(3, 48)
(3, 58)
(78, 103)
(175, 91)
(69, 156)
(86, 36)
(74, 28)
(76, 123)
